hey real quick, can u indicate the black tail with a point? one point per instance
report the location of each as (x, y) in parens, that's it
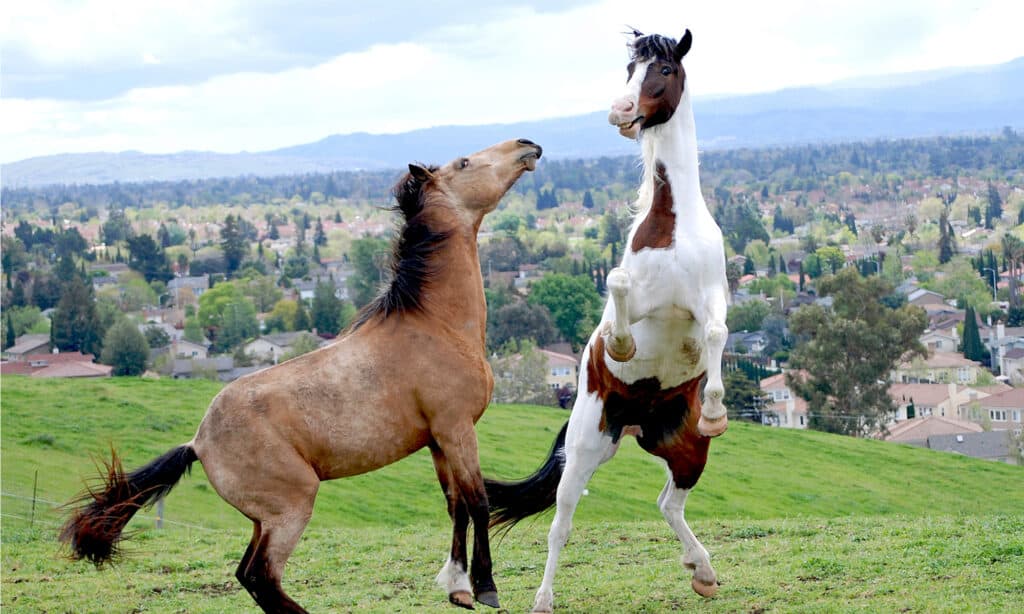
(94, 529)
(513, 501)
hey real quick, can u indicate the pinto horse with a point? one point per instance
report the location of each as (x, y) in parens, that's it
(662, 332)
(410, 372)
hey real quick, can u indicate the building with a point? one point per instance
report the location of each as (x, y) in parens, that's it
(996, 446)
(183, 348)
(783, 408)
(272, 348)
(916, 431)
(27, 345)
(187, 290)
(1003, 411)
(938, 368)
(63, 364)
(563, 370)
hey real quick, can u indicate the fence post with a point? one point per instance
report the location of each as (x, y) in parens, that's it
(32, 516)
(160, 513)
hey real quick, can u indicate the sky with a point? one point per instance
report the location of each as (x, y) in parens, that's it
(162, 76)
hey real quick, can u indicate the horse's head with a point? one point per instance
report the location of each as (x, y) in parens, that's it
(474, 184)
(655, 83)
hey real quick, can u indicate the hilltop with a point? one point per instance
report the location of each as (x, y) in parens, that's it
(754, 472)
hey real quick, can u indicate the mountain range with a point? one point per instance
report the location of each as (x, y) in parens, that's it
(958, 101)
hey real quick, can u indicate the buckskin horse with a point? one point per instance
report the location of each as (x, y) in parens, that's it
(663, 329)
(410, 372)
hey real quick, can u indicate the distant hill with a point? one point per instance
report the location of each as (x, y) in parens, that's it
(947, 102)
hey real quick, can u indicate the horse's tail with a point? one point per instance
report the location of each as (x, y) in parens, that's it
(511, 502)
(94, 528)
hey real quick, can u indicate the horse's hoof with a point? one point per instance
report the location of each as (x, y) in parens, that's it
(712, 428)
(462, 599)
(489, 598)
(704, 590)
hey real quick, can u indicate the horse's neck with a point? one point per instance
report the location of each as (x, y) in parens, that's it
(673, 144)
(456, 288)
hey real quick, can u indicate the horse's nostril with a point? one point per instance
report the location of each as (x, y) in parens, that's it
(525, 142)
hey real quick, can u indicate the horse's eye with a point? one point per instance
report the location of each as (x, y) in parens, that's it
(463, 163)
(666, 70)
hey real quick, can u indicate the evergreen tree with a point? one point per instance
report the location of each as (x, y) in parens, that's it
(588, 200)
(75, 324)
(9, 336)
(972, 347)
(148, 258)
(233, 244)
(994, 210)
(125, 349)
(326, 312)
(319, 237)
(301, 316)
(947, 238)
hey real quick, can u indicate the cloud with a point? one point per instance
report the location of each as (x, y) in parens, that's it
(505, 64)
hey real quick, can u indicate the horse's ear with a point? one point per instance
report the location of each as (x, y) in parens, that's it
(420, 173)
(684, 46)
(637, 33)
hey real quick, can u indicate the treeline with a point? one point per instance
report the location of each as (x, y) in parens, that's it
(791, 168)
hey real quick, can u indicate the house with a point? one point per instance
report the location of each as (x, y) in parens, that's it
(26, 345)
(188, 368)
(1000, 342)
(746, 342)
(1012, 365)
(563, 370)
(916, 431)
(1004, 411)
(922, 298)
(783, 409)
(940, 341)
(991, 445)
(183, 348)
(187, 290)
(938, 368)
(271, 348)
(923, 399)
(62, 364)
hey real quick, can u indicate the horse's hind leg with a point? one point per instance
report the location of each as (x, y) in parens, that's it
(459, 447)
(267, 554)
(453, 577)
(672, 502)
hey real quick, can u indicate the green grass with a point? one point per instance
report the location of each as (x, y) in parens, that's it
(795, 521)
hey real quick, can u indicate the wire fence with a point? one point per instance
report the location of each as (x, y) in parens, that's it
(45, 513)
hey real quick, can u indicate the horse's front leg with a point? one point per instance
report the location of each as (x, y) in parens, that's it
(713, 419)
(618, 342)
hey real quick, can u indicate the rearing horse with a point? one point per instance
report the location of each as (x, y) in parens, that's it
(411, 372)
(662, 332)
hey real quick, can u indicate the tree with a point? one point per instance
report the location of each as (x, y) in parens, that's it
(148, 258)
(319, 236)
(9, 336)
(994, 210)
(368, 256)
(574, 304)
(227, 315)
(747, 315)
(303, 344)
(125, 349)
(301, 316)
(588, 200)
(743, 397)
(156, 337)
(519, 320)
(193, 331)
(13, 256)
(844, 354)
(75, 325)
(972, 347)
(233, 244)
(326, 312)
(947, 238)
(520, 375)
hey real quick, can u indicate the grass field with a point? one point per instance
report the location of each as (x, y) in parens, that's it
(795, 521)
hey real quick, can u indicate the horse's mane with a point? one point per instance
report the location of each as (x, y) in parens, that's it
(411, 265)
(652, 46)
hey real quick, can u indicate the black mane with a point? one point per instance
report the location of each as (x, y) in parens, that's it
(653, 46)
(411, 266)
